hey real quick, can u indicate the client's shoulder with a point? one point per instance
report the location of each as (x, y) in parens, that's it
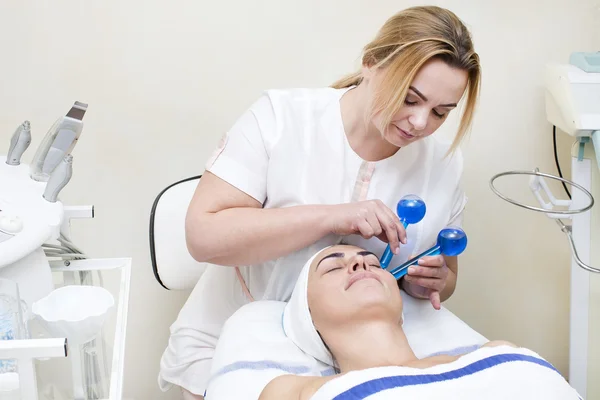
(293, 387)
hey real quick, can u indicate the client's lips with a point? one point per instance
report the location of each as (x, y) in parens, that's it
(360, 276)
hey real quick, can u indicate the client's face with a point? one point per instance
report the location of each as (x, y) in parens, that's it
(346, 283)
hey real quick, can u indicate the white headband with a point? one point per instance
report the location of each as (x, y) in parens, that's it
(297, 321)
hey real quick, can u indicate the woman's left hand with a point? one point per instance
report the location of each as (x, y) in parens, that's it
(427, 279)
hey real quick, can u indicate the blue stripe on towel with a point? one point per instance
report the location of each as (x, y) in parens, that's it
(374, 386)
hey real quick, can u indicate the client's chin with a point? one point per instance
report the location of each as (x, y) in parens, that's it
(370, 289)
(372, 305)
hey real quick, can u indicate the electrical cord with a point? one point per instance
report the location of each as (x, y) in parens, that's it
(556, 159)
(66, 250)
(67, 243)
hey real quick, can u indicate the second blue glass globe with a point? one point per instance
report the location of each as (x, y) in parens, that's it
(451, 241)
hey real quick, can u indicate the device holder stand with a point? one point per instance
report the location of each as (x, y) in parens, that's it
(537, 184)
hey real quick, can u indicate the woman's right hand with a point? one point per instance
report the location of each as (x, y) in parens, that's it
(370, 218)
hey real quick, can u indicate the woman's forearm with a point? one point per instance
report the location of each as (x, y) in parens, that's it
(449, 288)
(452, 264)
(246, 235)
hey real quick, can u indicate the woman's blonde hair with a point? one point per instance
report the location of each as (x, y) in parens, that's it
(404, 44)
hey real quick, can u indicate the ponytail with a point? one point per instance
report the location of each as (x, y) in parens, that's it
(347, 81)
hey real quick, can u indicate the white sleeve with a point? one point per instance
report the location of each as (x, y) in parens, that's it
(459, 198)
(459, 201)
(242, 157)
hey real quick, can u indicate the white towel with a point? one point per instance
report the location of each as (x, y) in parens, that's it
(490, 373)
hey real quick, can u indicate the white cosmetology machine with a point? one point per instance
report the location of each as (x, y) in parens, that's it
(572, 96)
(52, 303)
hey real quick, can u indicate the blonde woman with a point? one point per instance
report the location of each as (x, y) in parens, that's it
(303, 168)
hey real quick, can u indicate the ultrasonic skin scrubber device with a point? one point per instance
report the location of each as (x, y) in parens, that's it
(58, 142)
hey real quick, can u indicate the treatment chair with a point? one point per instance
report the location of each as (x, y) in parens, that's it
(263, 352)
(173, 266)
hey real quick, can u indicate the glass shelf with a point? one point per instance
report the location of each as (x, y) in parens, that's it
(93, 370)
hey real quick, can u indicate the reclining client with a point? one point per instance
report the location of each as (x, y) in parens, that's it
(347, 312)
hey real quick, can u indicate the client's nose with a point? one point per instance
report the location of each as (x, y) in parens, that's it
(357, 263)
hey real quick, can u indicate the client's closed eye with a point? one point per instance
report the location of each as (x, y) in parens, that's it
(373, 261)
(333, 269)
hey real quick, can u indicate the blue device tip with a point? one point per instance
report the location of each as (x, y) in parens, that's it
(452, 241)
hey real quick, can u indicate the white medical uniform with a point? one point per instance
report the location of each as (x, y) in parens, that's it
(290, 149)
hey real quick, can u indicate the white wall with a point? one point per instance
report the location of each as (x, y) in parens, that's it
(164, 80)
